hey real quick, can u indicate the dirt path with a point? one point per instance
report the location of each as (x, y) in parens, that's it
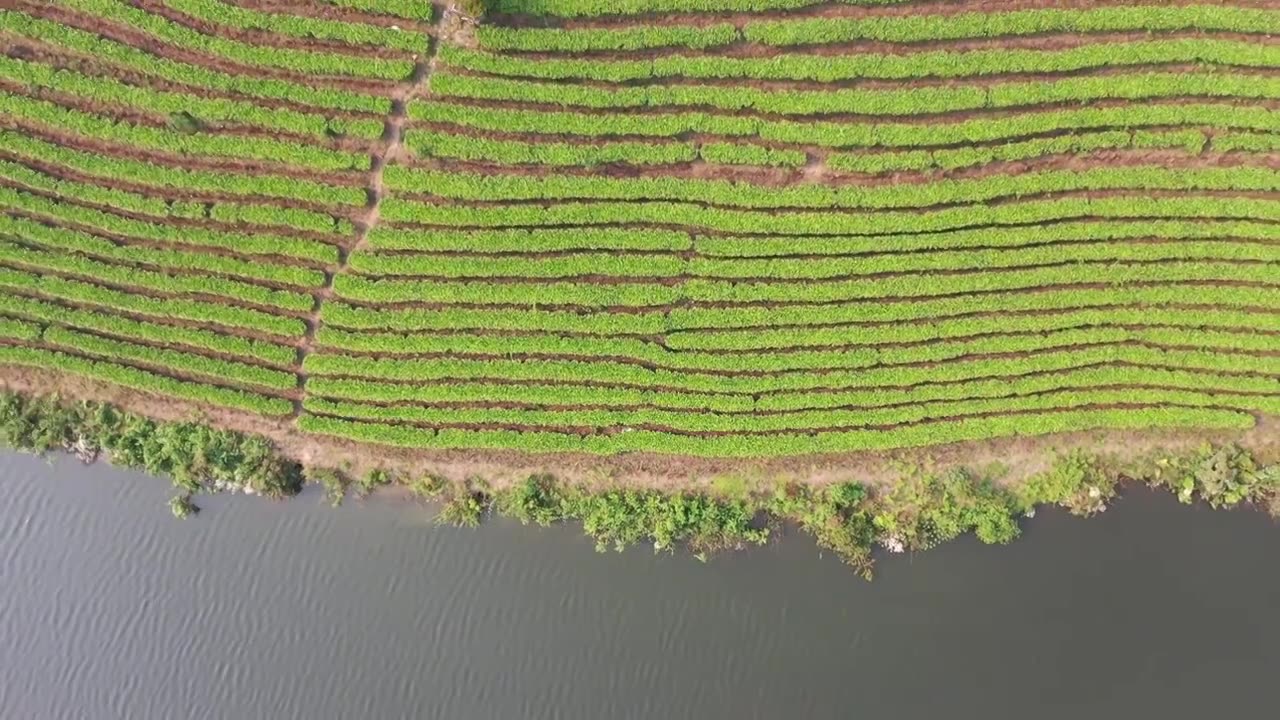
(389, 148)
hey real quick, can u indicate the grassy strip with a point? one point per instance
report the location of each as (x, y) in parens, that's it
(131, 277)
(201, 110)
(177, 142)
(857, 101)
(311, 63)
(382, 237)
(615, 373)
(127, 329)
(137, 60)
(832, 68)
(726, 446)
(516, 152)
(604, 422)
(224, 13)
(932, 27)
(255, 244)
(70, 241)
(693, 215)
(135, 379)
(499, 188)
(131, 302)
(128, 353)
(147, 172)
(847, 134)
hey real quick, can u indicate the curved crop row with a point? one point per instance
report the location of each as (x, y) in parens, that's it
(139, 61)
(300, 61)
(983, 428)
(607, 372)
(383, 237)
(1191, 141)
(876, 347)
(72, 241)
(515, 152)
(135, 379)
(587, 8)
(31, 179)
(830, 222)
(201, 110)
(613, 264)
(683, 424)
(174, 360)
(191, 181)
(129, 329)
(509, 188)
(848, 134)
(343, 315)
(132, 277)
(408, 9)
(81, 292)
(933, 27)
(856, 66)
(96, 220)
(166, 140)
(904, 101)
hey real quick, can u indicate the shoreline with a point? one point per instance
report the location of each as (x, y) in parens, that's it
(925, 506)
(1018, 457)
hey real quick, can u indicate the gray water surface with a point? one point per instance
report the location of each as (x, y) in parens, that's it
(111, 608)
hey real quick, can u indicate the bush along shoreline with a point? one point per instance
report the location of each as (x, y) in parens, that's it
(921, 510)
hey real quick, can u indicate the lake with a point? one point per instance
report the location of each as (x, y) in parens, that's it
(111, 608)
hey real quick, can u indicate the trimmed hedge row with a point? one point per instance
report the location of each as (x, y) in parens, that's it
(985, 428)
(314, 63)
(243, 243)
(73, 241)
(517, 152)
(166, 140)
(827, 68)
(137, 60)
(81, 292)
(933, 27)
(905, 101)
(945, 131)
(129, 329)
(299, 26)
(135, 379)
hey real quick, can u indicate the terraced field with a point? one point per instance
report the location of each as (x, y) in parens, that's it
(715, 228)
